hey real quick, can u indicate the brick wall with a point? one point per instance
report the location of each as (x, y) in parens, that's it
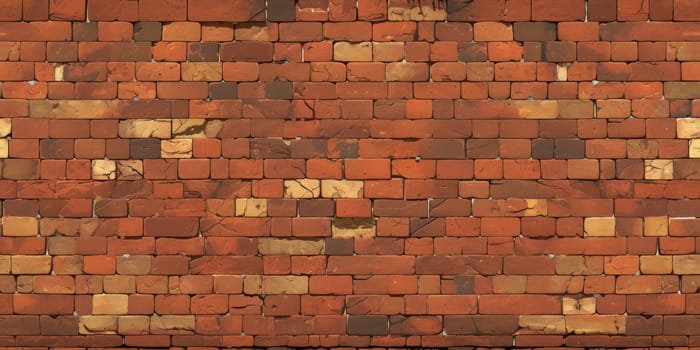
(385, 173)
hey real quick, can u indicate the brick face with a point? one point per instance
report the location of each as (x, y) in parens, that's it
(341, 173)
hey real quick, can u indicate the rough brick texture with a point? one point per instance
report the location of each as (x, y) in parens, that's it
(341, 173)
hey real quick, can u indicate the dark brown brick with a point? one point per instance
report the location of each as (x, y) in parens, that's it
(222, 91)
(464, 284)
(368, 325)
(281, 10)
(144, 148)
(253, 51)
(203, 52)
(535, 31)
(111, 208)
(339, 246)
(278, 89)
(60, 325)
(559, 51)
(85, 31)
(61, 52)
(19, 325)
(316, 207)
(269, 148)
(472, 52)
(686, 169)
(532, 51)
(542, 149)
(415, 325)
(148, 31)
(569, 149)
(309, 148)
(20, 169)
(56, 149)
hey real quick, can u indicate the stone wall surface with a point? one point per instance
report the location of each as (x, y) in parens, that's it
(341, 173)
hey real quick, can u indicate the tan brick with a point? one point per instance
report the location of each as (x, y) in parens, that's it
(171, 323)
(130, 169)
(251, 207)
(658, 169)
(595, 324)
(656, 226)
(526, 207)
(20, 226)
(20, 169)
(189, 128)
(656, 264)
(682, 264)
(599, 226)
(583, 306)
(71, 109)
(134, 264)
(642, 149)
(274, 246)
(688, 128)
(5, 127)
(31, 264)
(493, 31)
(341, 189)
(354, 227)
(5, 264)
(509, 284)
(97, 324)
(145, 128)
(543, 324)
(4, 148)
(693, 148)
(228, 284)
(202, 71)
(285, 284)
(176, 148)
(352, 52)
(252, 284)
(405, 10)
(579, 265)
(103, 169)
(110, 304)
(302, 188)
(133, 325)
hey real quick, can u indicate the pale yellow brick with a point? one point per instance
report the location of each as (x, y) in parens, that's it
(688, 128)
(201, 71)
(5, 264)
(354, 227)
(20, 226)
(176, 148)
(110, 304)
(542, 324)
(599, 226)
(302, 188)
(582, 306)
(694, 148)
(103, 169)
(97, 324)
(595, 324)
(145, 128)
(682, 264)
(656, 226)
(285, 284)
(252, 284)
(133, 325)
(130, 169)
(658, 169)
(5, 127)
(172, 323)
(656, 264)
(562, 72)
(352, 52)
(31, 264)
(4, 148)
(189, 128)
(274, 246)
(251, 207)
(341, 189)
